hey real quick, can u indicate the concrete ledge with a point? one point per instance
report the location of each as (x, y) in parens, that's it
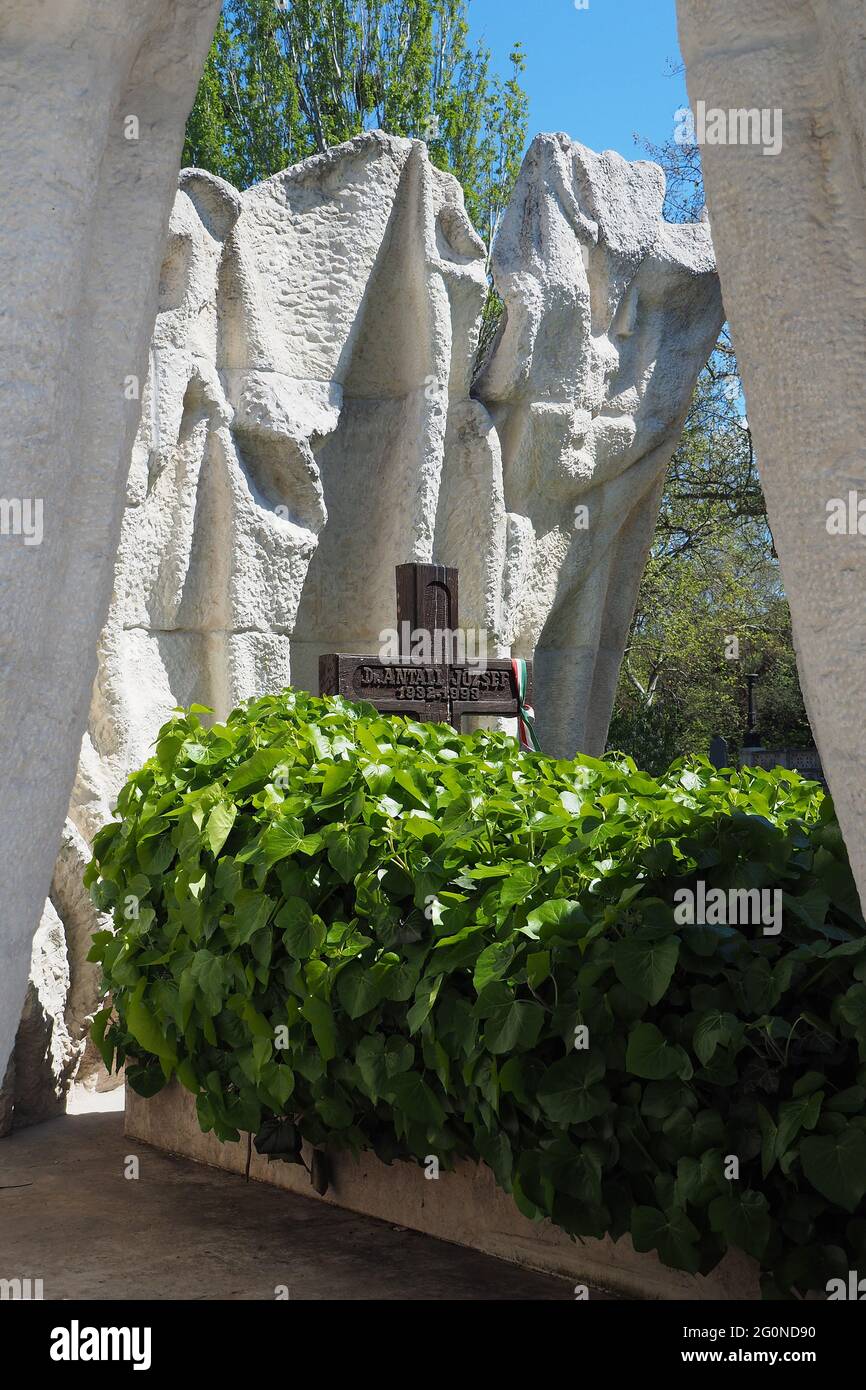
(464, 1206)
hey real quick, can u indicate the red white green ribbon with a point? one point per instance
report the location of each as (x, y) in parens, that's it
(525, 713)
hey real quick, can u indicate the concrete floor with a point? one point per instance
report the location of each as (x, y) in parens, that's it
(182, 1231)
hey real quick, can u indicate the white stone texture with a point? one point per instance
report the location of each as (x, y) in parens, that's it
(82, 226)
(791, 240)
(309, 333)
(308, 424)
(51, 1044)
(44, 1056)
(408, 285)
(223, 503)
(610, 313)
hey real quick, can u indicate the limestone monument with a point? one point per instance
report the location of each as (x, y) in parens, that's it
(95, 98)
(788, 224)
(403, 299)
(311, 417)
(286, 405)
(224, 504)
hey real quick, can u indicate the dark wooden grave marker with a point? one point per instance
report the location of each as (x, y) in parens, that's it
(442, 691)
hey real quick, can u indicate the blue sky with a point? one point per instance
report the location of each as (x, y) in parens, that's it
(599, 74)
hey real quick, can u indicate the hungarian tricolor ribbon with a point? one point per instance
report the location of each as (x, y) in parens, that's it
(525, 713)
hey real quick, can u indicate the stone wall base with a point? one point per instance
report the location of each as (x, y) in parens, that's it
(464, 1206)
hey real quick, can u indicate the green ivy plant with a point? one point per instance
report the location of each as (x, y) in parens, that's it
(371, 933)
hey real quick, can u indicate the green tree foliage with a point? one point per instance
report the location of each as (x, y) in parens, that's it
(711, 607)
(285, 79)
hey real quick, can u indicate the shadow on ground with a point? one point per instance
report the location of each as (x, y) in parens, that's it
(182, 1231)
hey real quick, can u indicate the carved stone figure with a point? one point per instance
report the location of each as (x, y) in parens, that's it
(308, 333)
(610, 313)
(223, 508)
(403, 313)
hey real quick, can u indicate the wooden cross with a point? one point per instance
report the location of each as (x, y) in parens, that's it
(439, 691)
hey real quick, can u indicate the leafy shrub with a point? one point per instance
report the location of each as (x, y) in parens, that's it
(653, 737)
(374, 933)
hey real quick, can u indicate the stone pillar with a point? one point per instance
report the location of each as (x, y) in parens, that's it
(95, 98)
(790, 236)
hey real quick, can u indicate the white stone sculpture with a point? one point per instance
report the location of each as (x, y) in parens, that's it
(610, 313)
(403, 309)
(52, 1046)
(223, 508)
(95, 94)
(301, 325)
(791, 243)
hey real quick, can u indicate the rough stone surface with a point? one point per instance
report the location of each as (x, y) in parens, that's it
(299, 326)
(51, 1045)
(223, 507)
(310, 420)
(82, 228)
(45, 1054)
(791, 240)
(610, 313)
(405, 304)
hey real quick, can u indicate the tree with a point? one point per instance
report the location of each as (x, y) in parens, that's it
(285, 79)
(711, 607)
(708, 613)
